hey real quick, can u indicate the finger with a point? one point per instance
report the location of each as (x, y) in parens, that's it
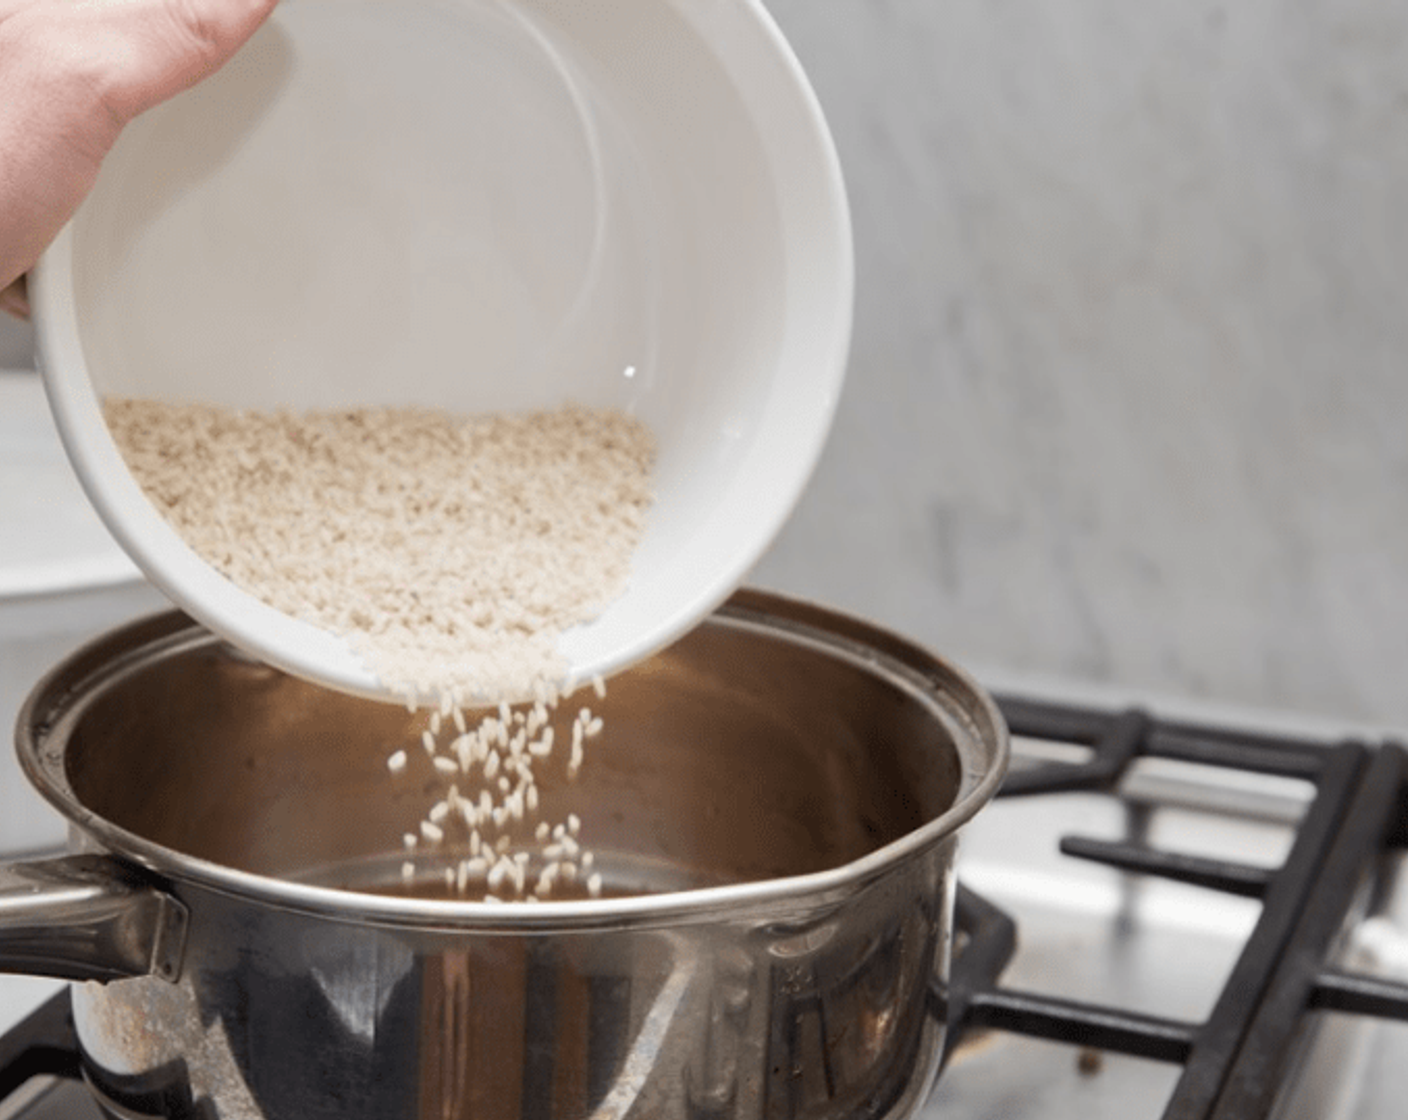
(9, 7)
(130, 54)
(182, 42)
(51, 138)
(146, 51)
(14, 298)
(72, 73)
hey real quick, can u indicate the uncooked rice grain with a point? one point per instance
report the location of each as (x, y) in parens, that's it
(450, 553)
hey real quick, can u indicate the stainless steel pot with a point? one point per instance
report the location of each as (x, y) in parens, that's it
(774, 805)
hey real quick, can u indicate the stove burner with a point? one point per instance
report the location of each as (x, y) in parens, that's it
(1235, 1060)
(43, 1044)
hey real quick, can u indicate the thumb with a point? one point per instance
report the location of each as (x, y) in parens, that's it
(72, 73)
(167, 46)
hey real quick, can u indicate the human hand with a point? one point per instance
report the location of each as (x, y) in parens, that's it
(72, 74)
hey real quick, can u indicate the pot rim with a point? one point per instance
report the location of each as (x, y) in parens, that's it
(60, 698)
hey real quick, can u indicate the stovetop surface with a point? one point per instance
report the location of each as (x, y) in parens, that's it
(1090, 934)
(1093, 934)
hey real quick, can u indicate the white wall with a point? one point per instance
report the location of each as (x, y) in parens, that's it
(1130, 378)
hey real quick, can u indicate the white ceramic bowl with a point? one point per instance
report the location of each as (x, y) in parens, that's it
(480, 205)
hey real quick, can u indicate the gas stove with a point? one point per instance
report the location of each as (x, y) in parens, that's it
(1207, 925)
(1160, 916)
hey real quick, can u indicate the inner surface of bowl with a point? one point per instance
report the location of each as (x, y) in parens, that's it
(737, 755)
(480, 205)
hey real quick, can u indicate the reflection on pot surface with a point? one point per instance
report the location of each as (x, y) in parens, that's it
(774, 808)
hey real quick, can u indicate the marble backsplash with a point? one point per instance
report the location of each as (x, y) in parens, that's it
(1128, 400)
(1129, 391)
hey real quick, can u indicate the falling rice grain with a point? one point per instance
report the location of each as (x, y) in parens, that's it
(488, 593)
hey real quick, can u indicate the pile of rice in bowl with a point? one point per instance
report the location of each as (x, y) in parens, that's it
(450, 552)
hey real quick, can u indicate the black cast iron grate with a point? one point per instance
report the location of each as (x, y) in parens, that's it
(1234, 1060)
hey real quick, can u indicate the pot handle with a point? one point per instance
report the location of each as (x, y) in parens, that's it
(87, 917)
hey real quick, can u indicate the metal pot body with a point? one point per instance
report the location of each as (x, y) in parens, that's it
(774, 805)
(36, 629)
(279, 1014)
